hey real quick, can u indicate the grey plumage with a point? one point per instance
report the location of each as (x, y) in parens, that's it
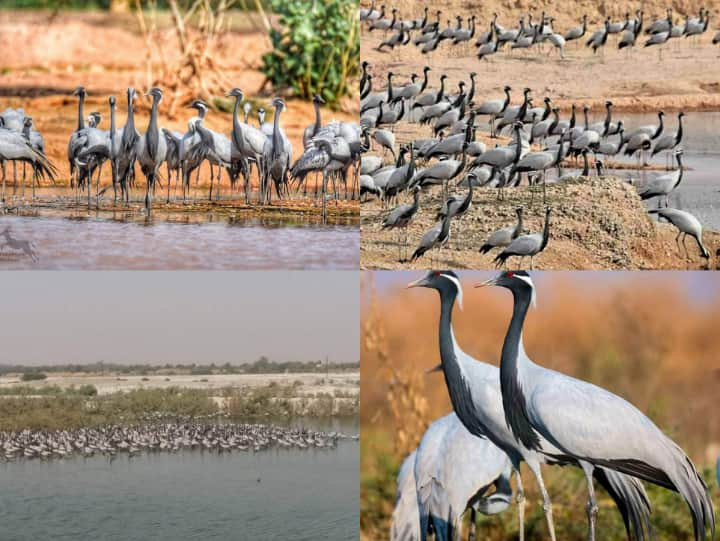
(589, 424)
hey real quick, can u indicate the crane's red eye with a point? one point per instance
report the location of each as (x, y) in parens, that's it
(437, 274)
(510, 274)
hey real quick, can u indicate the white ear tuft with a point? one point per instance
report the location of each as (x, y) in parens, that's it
(529, 282)
(458, 286)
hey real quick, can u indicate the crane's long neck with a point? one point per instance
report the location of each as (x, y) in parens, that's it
(455, 378)
(519, 226)
(608, 120)
(237, 128)
(152, 129)
(81, 112)
(441, 92)
(317, 119)
(679, 134)
(276, 131)
(680, 174)
(660, 128)
(511, 364)
(471, 94)
(546, 230)
(507, 101)
(131, 114)
(518, 144)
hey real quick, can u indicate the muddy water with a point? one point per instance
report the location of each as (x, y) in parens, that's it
(100, 242)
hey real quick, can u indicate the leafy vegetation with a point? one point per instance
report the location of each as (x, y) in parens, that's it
(316, 50)
(50, 407)
(33, 376)
(47, 390)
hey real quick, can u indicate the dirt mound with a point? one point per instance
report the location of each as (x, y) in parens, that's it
(597, 223)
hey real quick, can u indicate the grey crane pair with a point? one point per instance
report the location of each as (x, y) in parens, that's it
(540, 416)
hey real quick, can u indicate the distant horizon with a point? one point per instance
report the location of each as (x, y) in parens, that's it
(164, 364)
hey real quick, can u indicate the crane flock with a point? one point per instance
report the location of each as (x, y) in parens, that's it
(537, 416)
(330, 149)
(541, 140)
(428, 32)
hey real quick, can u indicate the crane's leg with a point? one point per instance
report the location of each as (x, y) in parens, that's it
(592, 508)
(547, 505)
(97, 187)
(471, 528)
(677, 242)
(88, 182)
(169, 175)
(687, 254)
(211, 183)
(14, 177)
(3, 184)
(324, 199)
(520, 499)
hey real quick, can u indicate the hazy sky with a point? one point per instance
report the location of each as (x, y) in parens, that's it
(701, 286)
(178, 317)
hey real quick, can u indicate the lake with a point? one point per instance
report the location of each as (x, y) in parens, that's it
(190, 495)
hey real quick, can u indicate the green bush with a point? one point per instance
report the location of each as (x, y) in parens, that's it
(317, 48)
(33, 376)
(87, 390)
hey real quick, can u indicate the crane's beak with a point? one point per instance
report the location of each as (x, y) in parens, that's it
(490, 282)
(420, 282)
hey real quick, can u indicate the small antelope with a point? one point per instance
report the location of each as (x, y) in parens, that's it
(15, 244)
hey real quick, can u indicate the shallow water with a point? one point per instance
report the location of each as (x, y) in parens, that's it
(99, 242)
(192, 495)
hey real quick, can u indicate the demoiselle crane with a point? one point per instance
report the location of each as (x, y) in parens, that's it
(588, 424)
(453, 469)
(686, 224)
(527, 245)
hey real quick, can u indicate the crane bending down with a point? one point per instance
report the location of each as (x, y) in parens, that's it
(474, 389)
(451, 471)
(588, 424)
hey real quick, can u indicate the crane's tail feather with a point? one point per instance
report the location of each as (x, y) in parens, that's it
(435, 511)
(485, 248)
(681, 476)
(500, 259)
(631, 500)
